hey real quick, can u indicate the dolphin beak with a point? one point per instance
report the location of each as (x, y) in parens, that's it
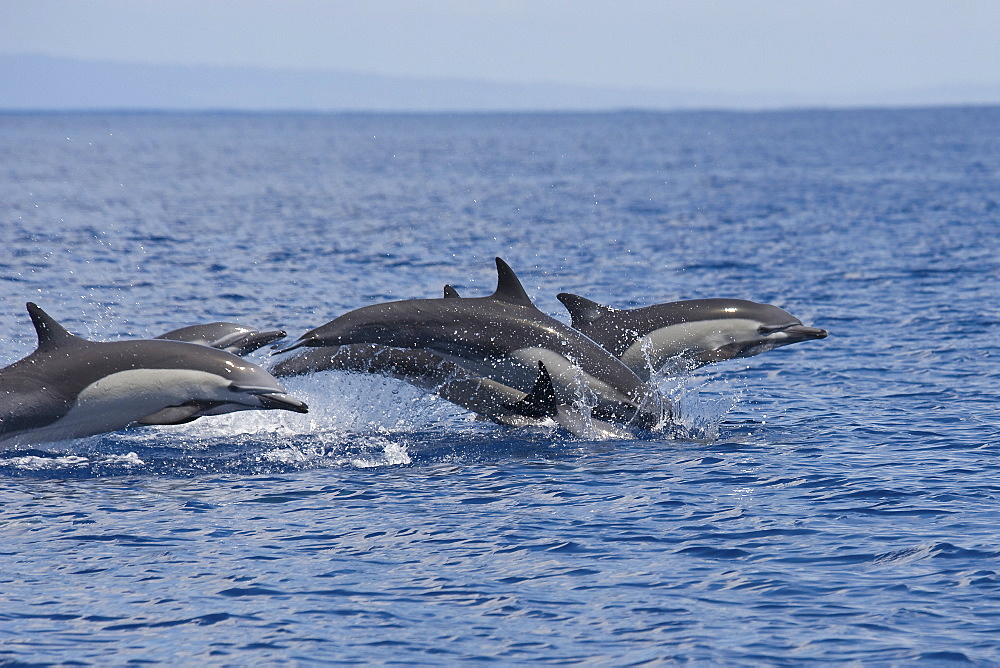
(804, 333)
(282, 402)
(301, 342)
(255, 340)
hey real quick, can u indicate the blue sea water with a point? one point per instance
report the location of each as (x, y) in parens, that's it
(837, 501)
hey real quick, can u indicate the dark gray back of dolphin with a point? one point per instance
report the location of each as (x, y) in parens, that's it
(32, 392)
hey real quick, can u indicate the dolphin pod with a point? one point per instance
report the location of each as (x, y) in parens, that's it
(498, 356)
(691, 333)
(70, 387)
(503, 337)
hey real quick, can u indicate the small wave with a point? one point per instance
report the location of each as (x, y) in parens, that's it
(200, 620)
(42, 463)
(930, 551)
(944, 657)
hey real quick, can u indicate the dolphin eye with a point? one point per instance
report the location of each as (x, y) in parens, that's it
(771, 329)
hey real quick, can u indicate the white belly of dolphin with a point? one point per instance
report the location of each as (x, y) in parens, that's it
(649, 353)
(120, 399)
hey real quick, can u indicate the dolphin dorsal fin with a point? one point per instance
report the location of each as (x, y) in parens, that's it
(451, 293)
(583, 311)
(509, 288)
(541, 401)
(50, 333)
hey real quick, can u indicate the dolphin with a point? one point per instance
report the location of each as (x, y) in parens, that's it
(487, 398)
(420, 368)
(231, 337)
(502, 337)
(70, 387)
(700, 331)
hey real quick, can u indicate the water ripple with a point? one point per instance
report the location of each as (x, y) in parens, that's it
(839, 503)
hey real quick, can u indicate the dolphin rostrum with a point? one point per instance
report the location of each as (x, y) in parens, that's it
(70, 387)
(698, 330)
(502, 337)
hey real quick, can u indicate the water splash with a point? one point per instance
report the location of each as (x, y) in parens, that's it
(355, 421)
(700, 399)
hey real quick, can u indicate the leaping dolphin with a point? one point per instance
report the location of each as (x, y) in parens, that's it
(486, 398)
(229, 336)
(502, 337)
(420, 368)
(70, 387)
(699, 330)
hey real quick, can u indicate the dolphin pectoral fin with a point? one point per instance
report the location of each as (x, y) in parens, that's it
(174, 415)
(541, 401)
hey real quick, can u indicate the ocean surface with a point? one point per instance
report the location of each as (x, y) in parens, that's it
(837, 500)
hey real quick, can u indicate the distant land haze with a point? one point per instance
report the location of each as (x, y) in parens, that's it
(43, 83)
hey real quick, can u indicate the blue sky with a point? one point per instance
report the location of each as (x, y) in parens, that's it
(801, 46)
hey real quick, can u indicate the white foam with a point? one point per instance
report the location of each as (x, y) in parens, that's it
(393, 453)
(129, 459)
(338, 403)
(35, 463)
